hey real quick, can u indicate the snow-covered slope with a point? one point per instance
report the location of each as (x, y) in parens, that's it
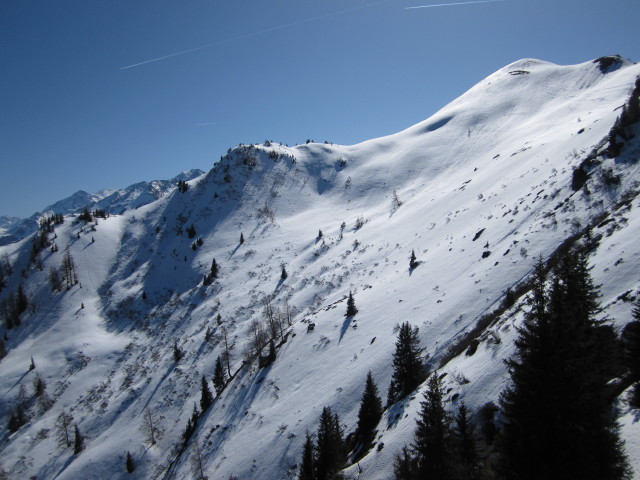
(478, 190)
(112, 201)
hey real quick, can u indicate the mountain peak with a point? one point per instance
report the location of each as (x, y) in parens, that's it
(438, 225)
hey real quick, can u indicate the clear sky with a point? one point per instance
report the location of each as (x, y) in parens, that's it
(73, 116)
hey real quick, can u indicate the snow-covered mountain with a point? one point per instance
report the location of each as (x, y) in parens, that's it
(112, 201)
(527, 159)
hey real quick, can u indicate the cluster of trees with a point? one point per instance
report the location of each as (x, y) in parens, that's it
(67, 433)
(182, 186)
(557, 416)
(266, 332)
(85, 215)
(65, 276)
(322, 459)
(443, 447)
(559, 384)
(13, 306)
(212, 275)
(5, 270)
(630, 115)
(46, 224)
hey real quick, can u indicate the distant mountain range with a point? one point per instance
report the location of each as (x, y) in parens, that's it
(112, 201)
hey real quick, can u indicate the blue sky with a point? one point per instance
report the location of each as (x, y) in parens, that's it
(73, 117)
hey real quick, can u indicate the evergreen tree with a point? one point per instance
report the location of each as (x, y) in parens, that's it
(351, 306)
(559, 421)
(22, 302)
(18, 414)
(129, 464)
(408, 370)
(219, 377)
(283, 274)
(631, 346)
(467, 464)
(307, 466)
(177, 353)
(404, 467)
(78, 440)
(370, 411)
(330, 455)
(214, 270)
(85, 216)
(432, 443)
(413, 262)
(205, 395)
(241, 238)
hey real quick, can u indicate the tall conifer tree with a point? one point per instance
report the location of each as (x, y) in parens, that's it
(432, 443)
(559, 420)
(408, 370)
(330, 456)
(370, 410)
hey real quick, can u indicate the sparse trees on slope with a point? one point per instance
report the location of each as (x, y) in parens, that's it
(559, 421)
(408, 370)
(370, 410)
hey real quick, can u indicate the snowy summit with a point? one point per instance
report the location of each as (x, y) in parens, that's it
(237, 282)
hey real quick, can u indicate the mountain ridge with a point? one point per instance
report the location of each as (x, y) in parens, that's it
(112, 201)
(479, 190)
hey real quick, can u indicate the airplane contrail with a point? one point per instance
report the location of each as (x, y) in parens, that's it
(254, 34)
(452, 4)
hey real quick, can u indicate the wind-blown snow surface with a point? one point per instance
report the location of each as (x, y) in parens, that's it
(498, 160)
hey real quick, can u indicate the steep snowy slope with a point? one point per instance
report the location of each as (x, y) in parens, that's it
(478, 191)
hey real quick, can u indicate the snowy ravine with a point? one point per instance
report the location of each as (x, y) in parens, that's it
(484, 187)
